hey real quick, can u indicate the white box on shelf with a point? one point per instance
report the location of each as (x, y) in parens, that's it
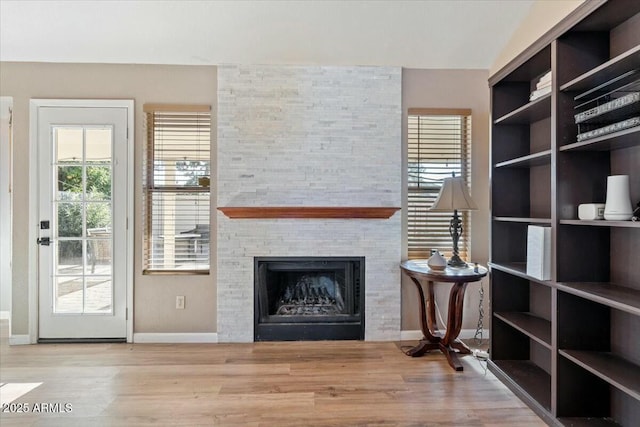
(539, 252)
(591, 211)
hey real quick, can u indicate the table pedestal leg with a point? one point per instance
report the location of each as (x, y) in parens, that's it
(449, 344)
(429, 340)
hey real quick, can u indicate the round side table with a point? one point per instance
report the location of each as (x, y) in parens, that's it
(449, 344)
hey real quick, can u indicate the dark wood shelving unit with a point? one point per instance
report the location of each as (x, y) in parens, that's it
(618, 372)
(536, 159)
(515, 268)
(600, 223)
(587, 422)
(568, 347)
(534, 327)
(532, 380)
(518, 269)
(531, 112)
(609, 294)
(628, 60)
(526, 220)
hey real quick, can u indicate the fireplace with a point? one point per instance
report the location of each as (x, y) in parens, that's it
(309, 298)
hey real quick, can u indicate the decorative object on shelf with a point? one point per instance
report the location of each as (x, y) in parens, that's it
(543, 87)
(618, 205)
(437, 262)
(615, 127)
(539, 252)
(636, 213)
(454, 197)
(628, 99)
(591, 211)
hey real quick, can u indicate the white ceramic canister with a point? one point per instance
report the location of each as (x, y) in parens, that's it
(618, 205)
(437, 262)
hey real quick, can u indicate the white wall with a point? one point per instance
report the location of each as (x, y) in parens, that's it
(543, 15)
(6, 104)
(154, 296)
(454, 89)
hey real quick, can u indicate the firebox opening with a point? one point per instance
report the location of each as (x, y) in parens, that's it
(309, 298)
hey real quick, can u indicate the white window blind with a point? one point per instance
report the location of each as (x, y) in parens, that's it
(177, 188)
(439, 144)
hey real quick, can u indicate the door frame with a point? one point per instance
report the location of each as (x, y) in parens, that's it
(6, 202)
(34, 106)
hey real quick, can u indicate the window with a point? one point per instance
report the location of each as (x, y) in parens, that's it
(176, 188)
(439, 144)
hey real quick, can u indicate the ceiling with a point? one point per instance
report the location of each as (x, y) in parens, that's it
(462, 34)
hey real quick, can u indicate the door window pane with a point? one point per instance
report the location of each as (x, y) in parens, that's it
(99, 256)
(69, 144)
(70, 257)
(70, 182)
(98, 295)
(98, 148)
(69, 294)
(98, 183)
(98, 218)
(69, 219)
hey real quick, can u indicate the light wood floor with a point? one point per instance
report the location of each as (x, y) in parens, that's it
(261, 384)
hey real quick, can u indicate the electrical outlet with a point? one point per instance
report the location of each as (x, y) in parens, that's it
(180, 302)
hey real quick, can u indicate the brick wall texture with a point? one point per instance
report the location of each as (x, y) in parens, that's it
(308, 136)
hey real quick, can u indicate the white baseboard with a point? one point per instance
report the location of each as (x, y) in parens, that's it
(465, 334)
(175, 338)
(19, 340)
(185, 338)
(5, 315)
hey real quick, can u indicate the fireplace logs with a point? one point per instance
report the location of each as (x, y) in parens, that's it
(311, 296)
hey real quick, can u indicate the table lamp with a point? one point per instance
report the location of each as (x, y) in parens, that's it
(454, 197)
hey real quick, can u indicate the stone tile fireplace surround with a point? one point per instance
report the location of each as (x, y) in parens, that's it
(308, 136)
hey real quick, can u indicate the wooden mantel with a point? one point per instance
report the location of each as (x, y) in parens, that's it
(359, 212)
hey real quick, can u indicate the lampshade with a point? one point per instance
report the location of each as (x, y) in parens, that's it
(454, 196)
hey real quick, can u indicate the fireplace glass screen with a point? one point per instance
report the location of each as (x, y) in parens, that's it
(309, 298)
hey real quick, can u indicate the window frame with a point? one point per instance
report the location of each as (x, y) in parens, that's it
(152, 188)
(421, 243)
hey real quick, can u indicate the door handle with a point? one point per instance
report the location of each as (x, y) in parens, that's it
(44, 241)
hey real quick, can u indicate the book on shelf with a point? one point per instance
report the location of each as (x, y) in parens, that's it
(539, 252)
(544, 83)
(543, 86)
(539, 93)
(628, 99)
(615, 127)
(546, 77)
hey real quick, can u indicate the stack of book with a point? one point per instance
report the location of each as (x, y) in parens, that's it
(543, 87)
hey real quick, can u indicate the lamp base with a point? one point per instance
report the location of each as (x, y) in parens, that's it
(457, 262)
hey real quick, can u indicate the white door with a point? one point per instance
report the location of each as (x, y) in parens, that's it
(82, 267)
